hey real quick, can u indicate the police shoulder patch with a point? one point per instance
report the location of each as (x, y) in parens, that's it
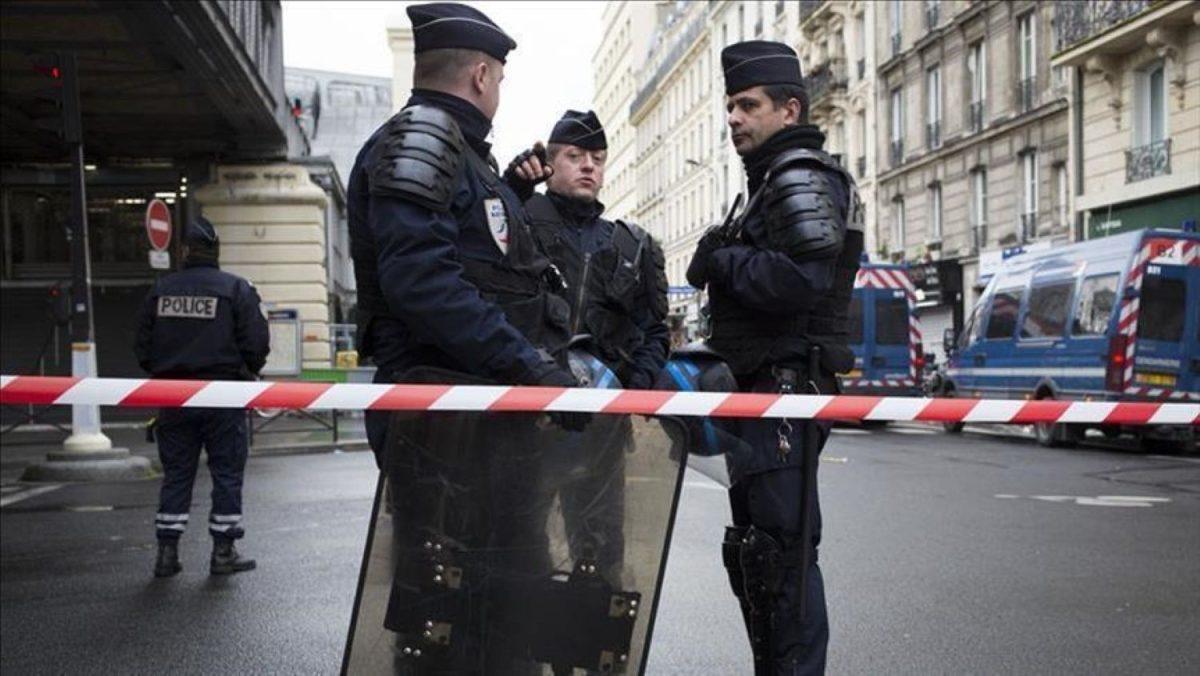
(188, 307)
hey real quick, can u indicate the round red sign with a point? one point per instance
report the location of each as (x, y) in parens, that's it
(158, 224)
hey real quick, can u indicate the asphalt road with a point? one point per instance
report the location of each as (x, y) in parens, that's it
(971, 554)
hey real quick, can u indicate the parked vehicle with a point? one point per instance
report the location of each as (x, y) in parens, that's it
(884, 334)
(1111, 319)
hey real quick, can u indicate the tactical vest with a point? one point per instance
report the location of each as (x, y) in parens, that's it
(603, 287)
(520, 283)
(750, 340)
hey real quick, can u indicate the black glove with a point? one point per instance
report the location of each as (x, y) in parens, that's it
(521, 186)
(697, 272)
(572, 422)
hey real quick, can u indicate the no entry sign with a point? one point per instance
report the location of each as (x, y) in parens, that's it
(158, 224)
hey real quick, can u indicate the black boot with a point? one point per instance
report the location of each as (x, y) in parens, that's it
(167, 563)
(226, 560)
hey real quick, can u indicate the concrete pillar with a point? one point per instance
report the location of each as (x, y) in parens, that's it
(400, 40)
(271, 221)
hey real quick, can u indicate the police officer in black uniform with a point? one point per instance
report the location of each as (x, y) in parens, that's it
(779, 280)
(452, 282)
(617, 286)
(202, 324)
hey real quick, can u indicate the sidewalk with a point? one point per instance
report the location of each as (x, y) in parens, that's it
(285, 435)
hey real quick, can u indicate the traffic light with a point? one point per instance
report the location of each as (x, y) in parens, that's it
(58, 305)
(61, 89)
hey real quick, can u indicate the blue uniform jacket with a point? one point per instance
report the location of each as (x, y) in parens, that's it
(202, 323)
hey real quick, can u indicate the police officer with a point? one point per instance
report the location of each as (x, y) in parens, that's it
(205, 324)
(779, 280)
(617, 286)
(451, 281)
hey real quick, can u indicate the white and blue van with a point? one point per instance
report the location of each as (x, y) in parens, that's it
(1111, 319)
(884, 333)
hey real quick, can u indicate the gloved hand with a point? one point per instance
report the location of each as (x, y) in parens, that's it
(528, 169)
(572, 422)
(697, 272)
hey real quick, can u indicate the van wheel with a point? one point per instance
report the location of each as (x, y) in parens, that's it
(1057, 435)
(951, 427)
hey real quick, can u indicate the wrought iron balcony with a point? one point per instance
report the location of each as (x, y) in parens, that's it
(897, 155)
(933, 134)
(975, 116)
(1027, 93)
(1076, 22)
(862, 69)
(827, 79)
(1028, 227)
(896, 41)
(861, 166)
(1148, 161)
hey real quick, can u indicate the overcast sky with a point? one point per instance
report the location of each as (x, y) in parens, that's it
(550, 71)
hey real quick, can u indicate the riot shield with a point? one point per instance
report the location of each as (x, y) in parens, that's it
(502, 544)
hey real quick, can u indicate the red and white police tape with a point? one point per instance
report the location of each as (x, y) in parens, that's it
(128, 392)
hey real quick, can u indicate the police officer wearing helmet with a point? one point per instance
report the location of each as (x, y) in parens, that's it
(614, 270)
(202, 324)
(452, 287)
(779, 280)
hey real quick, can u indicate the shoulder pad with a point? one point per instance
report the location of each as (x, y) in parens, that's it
(418, 157)
(802, 218)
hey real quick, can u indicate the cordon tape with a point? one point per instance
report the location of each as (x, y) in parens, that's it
(128, 392)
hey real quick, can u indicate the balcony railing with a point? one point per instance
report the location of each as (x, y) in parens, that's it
(827, 79)
(861, 166)
(1027, 93)
(975, 116)
(807, 7)
(1075, 21)
(933, 134)
(862, 69)
(896, 40)
(1028, 227)
(897, 154)
(1148, 161)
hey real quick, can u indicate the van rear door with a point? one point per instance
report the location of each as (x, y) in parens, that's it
(1166, 356)
(890, 358)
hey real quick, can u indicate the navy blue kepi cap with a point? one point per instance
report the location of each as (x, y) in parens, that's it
(759, 62)
(201, 232)
(580, 129)
(449, 25)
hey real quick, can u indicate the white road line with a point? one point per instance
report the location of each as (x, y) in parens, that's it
(845, 430)
(913, 430)
(26, 494)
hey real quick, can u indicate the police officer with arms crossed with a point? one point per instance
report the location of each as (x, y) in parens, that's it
(205, 324)
(779, 282)
(451, 281)
(617, 286)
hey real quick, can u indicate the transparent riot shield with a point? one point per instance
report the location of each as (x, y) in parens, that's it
(503, 544)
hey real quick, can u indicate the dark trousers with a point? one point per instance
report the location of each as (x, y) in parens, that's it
(182, 432)
(770, 502)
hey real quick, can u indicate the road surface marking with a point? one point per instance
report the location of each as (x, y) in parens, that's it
(834, 459)
(847, 430)
(1089, 501)
(914, 430)
(20, 493)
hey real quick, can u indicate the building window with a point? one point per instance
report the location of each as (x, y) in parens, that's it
(860, 44)
(932, 12)
(1029, 196)
(1063, 195)
(979, 207)
(1151, 152)
(897, 21)
(896, 129)
(933, 107)
(741, 23)
(861, 163)
(977, 83)
(935, 212)
(898, 224)
(1027, 60)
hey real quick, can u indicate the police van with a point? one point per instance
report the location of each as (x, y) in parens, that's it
(1111, 319)
(884, 333)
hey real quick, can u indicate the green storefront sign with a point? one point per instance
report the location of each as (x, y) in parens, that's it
(1169, 212)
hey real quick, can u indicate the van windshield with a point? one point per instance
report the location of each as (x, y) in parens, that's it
(1163, 309)
(891, 321)
(855, 321)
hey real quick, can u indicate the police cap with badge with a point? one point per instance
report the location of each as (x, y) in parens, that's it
(449, 25)
(582, 130)
(759, 62)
